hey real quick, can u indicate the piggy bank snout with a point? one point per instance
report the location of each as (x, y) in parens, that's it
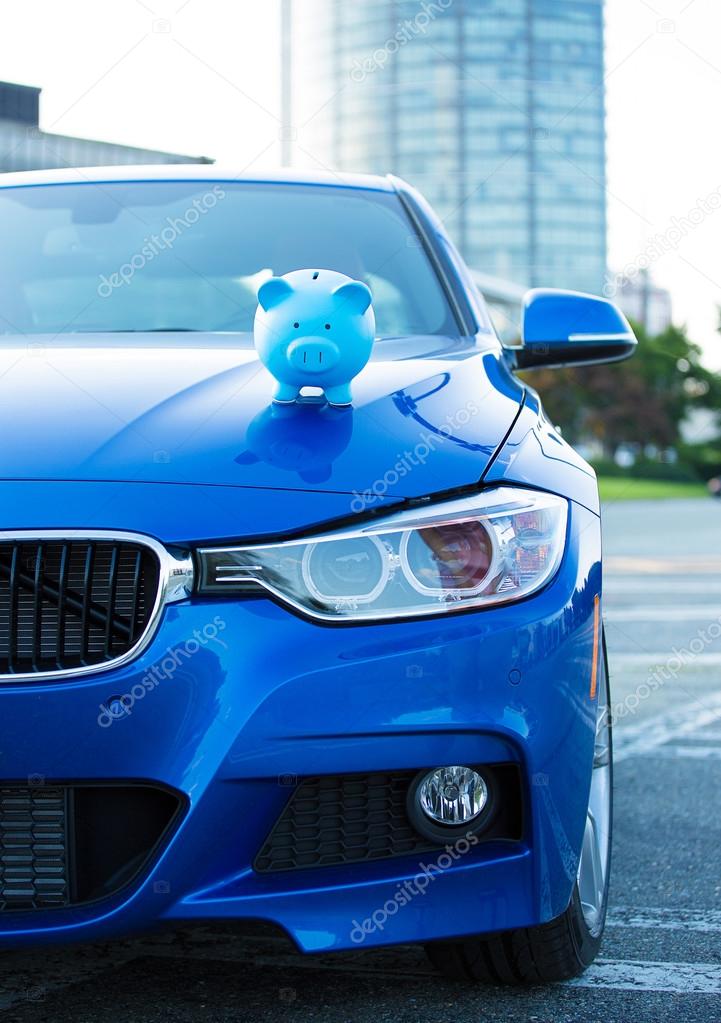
(311, 355)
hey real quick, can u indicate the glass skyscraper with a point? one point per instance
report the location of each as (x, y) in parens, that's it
(494, 109)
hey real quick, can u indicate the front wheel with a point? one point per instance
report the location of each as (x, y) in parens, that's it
(565, 946)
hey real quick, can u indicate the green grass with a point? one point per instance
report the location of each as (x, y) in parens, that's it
(628, 489)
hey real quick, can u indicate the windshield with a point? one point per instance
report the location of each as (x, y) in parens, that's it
(189, 255)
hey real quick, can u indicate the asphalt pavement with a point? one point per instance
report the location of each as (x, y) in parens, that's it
(661, 957)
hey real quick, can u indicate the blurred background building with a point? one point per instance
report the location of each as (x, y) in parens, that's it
(494, 109)
(645, 302)
(23, 146)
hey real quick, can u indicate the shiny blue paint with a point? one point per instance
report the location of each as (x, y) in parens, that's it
(155, 413)
(240, 719)
(566, 328)
(536, 455)
(177, 512)
(173, 437)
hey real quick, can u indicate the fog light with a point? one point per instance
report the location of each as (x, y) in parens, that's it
(452, 795)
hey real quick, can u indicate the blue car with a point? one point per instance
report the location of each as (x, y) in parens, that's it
(340, 670)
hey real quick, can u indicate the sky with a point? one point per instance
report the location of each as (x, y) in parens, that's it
(202, 77)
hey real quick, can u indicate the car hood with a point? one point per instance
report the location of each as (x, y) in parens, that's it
(429, 414)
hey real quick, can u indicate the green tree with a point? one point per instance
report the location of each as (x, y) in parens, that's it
(643, 400)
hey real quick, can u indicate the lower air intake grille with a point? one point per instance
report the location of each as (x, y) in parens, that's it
(353, 818)
(33, 848)
(341, 820)
(68, 845)
(66, 605)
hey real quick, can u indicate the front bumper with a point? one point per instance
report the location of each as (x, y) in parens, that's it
(235, 721)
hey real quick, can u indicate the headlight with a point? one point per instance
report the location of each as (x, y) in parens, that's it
(485, 550)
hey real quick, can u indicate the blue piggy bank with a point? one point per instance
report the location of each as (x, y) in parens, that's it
(314, 328)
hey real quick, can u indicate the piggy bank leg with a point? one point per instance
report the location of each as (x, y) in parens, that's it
(339, 395)
(285, 394)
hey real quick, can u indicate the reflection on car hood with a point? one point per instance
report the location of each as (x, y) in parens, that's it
(428, 415)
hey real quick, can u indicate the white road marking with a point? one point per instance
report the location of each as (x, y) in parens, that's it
(710, 735)
(661, 657)
(677, 752)
(647, 734)
(657, 613)
(636, 975)
(656, 918)
(625, 564)
(628, 585)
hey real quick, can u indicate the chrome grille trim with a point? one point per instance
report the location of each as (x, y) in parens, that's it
(175, 583)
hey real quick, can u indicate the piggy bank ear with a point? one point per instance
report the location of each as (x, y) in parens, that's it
(354, 295)
(273, 291)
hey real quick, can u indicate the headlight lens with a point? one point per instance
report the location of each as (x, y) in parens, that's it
(489, 549)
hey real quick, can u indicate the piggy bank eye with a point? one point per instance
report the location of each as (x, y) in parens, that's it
(296, 324)
(327, 326)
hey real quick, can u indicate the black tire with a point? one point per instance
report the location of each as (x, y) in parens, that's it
(558, 950)
(554, 951)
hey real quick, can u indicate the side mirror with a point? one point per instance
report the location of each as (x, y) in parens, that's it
(567, 328)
